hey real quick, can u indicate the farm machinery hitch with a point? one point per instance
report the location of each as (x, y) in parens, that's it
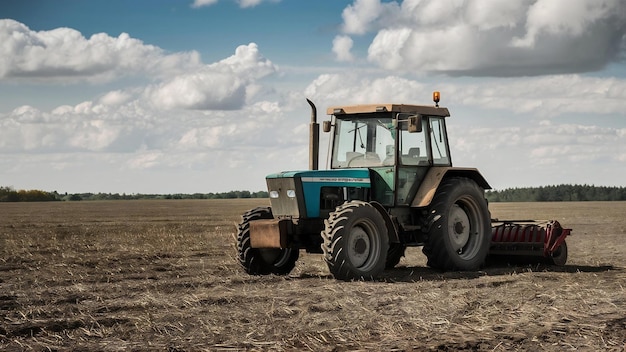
(528, 239)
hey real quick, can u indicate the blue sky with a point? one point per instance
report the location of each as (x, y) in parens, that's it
(212, 30)
(208, 96)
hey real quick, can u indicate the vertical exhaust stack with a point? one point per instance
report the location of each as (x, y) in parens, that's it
(314, 138)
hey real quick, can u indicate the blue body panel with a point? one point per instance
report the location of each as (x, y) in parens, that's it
(313, 180)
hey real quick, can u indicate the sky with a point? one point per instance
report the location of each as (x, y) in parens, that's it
(198, 96)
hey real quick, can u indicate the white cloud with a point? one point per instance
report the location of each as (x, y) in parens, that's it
(550, 95)
(137, 147)
(246, 62)
(249, 3)
(219, 86)
(541, 96)
(202, 90)
(342, 45)
(540, 143)
(486, 15)
(64, 54)
(352, 88)
(566, 18)
(116, 97)
(125, 122)
(161, 117)
(82, 127)
(363, 15)
(145, 159)
(94, 135)
(139, 128)
(201, 3)
(242, 3)
(491, 37)
(539, 153)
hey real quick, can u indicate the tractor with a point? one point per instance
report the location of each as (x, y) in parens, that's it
(390, 185)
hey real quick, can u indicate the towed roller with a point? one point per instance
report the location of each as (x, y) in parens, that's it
(529, 239)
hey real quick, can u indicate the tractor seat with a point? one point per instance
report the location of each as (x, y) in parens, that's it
(413, 158)
(367, 160)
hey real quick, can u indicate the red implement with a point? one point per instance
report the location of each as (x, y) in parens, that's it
(526, 238)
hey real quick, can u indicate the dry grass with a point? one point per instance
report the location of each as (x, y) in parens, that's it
(162, 275)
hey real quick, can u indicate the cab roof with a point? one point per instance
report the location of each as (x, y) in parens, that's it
(404, 108)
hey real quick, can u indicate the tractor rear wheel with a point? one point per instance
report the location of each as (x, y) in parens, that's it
(262, 261)
(459, 231)
(355, 241)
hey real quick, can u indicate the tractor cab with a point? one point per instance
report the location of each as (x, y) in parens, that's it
(397, 143)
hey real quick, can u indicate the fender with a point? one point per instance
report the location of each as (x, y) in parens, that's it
(436, 174)
(392, 230)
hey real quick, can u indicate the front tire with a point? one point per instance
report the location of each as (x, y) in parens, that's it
(459, 232)
(355, 242)
(262, 261)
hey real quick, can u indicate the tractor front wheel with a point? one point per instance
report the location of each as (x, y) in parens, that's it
(262, 261)
(459, 232)
(355, 241)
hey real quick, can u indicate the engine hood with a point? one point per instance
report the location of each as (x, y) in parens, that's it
(353, 177)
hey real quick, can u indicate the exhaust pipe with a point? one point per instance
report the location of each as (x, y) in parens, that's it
(314, 138)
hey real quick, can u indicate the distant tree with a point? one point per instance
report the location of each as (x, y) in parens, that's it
(558, 193)
(8, 194)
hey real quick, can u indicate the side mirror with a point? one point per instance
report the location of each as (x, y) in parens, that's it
(326, 126)
(415, 123)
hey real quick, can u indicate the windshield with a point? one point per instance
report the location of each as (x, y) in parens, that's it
(364, 141)
(368, 140)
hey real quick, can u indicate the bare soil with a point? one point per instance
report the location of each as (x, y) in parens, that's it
(163, 276)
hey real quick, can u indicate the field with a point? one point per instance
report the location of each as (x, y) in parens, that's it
(162, 275)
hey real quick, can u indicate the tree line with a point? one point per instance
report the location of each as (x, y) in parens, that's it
(8, 194)
(557, 193)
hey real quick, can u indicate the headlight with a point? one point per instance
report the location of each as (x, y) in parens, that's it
(291, 193)
(273, 194)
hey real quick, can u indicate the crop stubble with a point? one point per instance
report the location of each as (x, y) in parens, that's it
(162, 275)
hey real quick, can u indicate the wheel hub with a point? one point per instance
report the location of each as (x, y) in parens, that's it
(459, 228)
(358, 247)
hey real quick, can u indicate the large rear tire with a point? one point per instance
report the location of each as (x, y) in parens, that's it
(459, 231)
(262, 261)
(355, 242)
